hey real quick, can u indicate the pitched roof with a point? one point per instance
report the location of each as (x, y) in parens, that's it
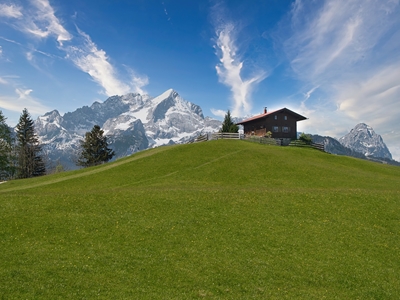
(288, 111)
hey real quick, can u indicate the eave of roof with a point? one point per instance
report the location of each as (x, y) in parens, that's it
(298, 116)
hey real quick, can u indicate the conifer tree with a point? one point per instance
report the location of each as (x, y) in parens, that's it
(228, 125)
(95, 149)
(5, 149)
(29, 159)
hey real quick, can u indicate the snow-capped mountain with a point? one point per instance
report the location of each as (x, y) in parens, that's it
(333, 146)
(358, 143)
(363, 139)
(132, 122)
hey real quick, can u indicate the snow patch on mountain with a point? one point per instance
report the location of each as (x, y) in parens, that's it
(132, 122)
(363, 139)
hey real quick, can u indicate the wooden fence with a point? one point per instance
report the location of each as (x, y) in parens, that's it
(226, 135)
(298, 143)
(318, 146)
(255, 139)
(262, 140)
(201, 138)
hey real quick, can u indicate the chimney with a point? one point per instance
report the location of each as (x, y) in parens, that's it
(265, 110)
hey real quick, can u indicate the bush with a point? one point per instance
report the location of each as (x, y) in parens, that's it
(306, 138)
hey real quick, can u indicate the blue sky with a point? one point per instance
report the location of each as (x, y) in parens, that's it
(337, 62)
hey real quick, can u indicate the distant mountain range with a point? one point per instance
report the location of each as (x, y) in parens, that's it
(361, 142)
(135, 122)
(132, 122)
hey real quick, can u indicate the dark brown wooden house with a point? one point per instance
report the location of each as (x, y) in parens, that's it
(281, 123)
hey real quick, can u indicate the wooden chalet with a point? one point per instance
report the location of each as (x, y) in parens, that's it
(281, 123)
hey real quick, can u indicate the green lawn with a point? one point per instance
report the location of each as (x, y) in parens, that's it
(215, 220)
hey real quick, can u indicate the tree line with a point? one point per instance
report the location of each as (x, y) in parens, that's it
(21, 154)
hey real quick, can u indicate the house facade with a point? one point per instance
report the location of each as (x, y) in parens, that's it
(281, 123)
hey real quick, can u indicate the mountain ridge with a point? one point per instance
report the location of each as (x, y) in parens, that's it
(132, 123)
(361, 142)
(362, 138)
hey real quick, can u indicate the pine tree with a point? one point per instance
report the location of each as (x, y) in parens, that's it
(228, 125)
(5, 149)
(95, 149)
(29, 159)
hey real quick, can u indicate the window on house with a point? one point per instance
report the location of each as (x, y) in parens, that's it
(285, 129)
(276, 117)
(275, 128)
(285, 118)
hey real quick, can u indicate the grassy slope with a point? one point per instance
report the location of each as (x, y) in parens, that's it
(222, 219)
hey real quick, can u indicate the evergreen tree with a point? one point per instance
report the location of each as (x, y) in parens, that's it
(5, 149)
(228, 125)
(95, 149)
(29, 159)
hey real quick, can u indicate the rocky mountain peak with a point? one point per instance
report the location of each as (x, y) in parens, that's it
(52, 116)
(362, 138)
(133, 122)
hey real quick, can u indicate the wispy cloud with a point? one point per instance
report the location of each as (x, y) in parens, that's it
(3, 81)
(23, 94)
(374, 98)
(349, 50)
(23, 98)
(218, 112)
(10, 11)
(44, 23)
(334, 34)
(308, 94)
(229, 71)
(95, 62)
(138, 82)
(41, 22)
(166, 12)
(231, 64)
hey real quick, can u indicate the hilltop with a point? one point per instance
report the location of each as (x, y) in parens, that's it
(220, 219)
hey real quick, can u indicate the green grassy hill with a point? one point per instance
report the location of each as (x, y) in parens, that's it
(215, 220)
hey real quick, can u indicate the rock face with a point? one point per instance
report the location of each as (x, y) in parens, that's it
(132, 122)
(335, 147)
(363, 139)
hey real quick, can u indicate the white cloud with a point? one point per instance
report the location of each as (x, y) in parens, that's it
(45, 23)
(10, 11)
(137, 82)
(3, 81)
(95, 62)
(40, 22)
(308, 94)
(23, 99)
(229, 71)
(349, 50)
(373, 97)
(23, 94)
(29, 56)
(333, 36)
(218, 112)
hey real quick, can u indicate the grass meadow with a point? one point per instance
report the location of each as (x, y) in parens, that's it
(222, 219)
